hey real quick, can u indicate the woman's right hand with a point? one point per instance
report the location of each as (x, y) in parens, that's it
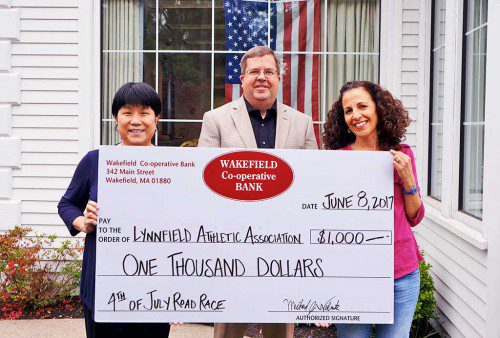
(88, 222)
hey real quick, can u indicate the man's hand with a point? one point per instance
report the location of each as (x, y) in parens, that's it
(322, 324)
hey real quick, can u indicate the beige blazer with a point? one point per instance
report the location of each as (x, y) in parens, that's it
(229, 126)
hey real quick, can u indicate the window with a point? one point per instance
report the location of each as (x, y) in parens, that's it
(437, 99)
(189, 51)
(472, 120)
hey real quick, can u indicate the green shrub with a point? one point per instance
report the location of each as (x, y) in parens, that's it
(34, 272)
(426, 305)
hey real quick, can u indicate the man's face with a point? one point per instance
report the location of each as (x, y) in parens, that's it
(260, 81)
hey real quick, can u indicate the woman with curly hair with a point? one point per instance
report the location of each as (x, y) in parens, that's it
(367, 117)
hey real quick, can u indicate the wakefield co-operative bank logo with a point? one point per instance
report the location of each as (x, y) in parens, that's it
(248, 175)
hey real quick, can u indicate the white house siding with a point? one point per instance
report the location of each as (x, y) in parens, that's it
(10, 95)
(460, 274)
(46, 57)
(409, 66)
(459, 268)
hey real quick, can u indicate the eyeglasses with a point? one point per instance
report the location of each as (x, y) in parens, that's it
(268, 72)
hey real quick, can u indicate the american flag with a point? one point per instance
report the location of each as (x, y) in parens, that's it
(293, 27)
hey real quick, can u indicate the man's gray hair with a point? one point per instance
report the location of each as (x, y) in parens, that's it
(256, 52)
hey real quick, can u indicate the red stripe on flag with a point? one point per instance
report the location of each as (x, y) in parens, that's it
(301, 81)
(287, 46)
(228, 92)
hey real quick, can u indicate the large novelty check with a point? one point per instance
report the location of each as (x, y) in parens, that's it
(225, 235)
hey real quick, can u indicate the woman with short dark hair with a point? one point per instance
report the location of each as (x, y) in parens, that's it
(367, 117)
(136, 109)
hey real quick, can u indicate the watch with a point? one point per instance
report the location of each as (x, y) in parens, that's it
(412, 191)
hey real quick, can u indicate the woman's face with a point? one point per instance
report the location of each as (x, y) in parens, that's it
(360, 113)
(136, 125)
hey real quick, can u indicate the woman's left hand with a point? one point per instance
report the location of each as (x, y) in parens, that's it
(402, 163)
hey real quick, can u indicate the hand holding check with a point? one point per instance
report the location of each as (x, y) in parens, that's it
(402, 163)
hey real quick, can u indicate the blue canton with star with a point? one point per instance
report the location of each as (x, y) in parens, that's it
(246, 27)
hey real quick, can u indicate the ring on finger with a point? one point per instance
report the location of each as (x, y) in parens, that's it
(397, 159)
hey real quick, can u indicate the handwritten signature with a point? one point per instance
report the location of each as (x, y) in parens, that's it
(312, 305)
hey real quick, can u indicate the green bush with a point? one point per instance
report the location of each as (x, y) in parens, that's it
(34, 272)
(426, 305)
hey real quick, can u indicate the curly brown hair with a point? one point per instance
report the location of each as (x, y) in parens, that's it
(392, 119)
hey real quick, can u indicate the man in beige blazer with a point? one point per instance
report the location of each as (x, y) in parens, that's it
(257, 120)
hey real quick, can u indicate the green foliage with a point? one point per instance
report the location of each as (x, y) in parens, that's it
(34, 272)
(426, 305)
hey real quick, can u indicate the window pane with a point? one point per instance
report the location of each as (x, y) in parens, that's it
(244, 24)
(437, 92)
(477, 13)
(475, 75)
(175, 134)
(472, 200)
(220, 28)
(345, 68)
(472, 159)
(298, 26)
(436, 160)
(300, 86)
(226, 81)
(185, 24)
(120, 68)
(128, 25)
(353, 26)
(219, 79)
(184, 85)
(294, 26)
(109, 135)
(436, 141)
(439, 23)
